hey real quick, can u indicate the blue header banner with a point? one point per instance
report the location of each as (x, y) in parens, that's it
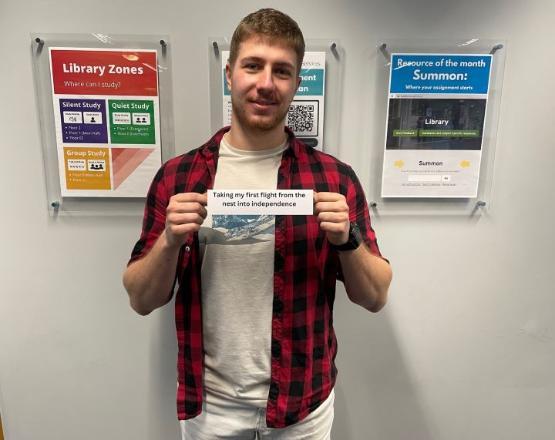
(312, 83)
(440, 74)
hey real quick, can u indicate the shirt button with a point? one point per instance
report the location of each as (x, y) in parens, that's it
(187, 248)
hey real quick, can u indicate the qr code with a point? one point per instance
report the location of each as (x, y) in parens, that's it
(303, 118)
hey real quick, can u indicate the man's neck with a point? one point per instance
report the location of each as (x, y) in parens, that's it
(255, 139)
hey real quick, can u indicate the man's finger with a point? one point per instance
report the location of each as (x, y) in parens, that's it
(330, 207)
(333, 217)
(181, 219)
(184, 229)
(190, 197)
(327, 197)
(183, 207)
(335, 228)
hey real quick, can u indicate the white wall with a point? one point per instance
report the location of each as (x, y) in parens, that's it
(464, 350)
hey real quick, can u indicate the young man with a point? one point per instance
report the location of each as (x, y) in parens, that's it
(255, 298)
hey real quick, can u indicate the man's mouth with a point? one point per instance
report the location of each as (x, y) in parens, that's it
(263, 106)
(263, 102)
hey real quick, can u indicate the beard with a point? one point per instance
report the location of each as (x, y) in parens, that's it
(258, 122)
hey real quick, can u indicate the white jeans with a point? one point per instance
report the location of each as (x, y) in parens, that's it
(223, 418)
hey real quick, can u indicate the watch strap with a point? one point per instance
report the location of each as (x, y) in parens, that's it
(353, 242)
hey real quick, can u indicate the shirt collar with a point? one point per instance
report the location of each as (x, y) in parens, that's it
(211, 148)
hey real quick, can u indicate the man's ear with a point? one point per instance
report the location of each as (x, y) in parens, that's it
(228, 75)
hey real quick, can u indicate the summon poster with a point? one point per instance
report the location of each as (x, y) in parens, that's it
(435, 125)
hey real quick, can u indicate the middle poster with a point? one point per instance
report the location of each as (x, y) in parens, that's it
(435, 125)
(306, 113)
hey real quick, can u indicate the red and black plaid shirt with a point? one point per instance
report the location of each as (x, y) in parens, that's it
(304, 345)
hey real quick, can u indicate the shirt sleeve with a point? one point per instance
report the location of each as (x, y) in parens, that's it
(359, 214)
(154, 218)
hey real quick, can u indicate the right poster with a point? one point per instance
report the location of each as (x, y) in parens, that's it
(435, 124)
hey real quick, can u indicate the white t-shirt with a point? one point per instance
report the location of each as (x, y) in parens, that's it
(237, 281)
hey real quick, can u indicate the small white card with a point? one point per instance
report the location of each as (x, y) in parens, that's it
(258, 202)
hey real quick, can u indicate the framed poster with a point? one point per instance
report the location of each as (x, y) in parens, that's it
(104, 105)
(436, 115)
(107, 120)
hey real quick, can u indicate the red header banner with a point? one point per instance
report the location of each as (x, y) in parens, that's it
(104, 72)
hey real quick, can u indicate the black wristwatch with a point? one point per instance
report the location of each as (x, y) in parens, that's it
(354, 241)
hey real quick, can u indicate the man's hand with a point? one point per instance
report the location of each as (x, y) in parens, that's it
(184, 215)
(332, 212)
(366, 276)
(150, 280)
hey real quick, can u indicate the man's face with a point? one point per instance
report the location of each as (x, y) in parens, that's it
(263, 82)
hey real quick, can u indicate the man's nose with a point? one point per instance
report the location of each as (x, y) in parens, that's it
(265, 80)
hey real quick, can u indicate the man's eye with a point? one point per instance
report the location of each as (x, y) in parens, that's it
(283, 72)
(251, 66)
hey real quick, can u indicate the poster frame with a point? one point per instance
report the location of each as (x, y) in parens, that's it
(40, 49)
(478, 205)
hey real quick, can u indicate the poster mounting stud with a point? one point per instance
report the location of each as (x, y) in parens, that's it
(479, 204)
(496, 48)
(333, 49)
(385, 52)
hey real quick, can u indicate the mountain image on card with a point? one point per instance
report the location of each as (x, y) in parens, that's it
(243, 227)
(125, 161)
